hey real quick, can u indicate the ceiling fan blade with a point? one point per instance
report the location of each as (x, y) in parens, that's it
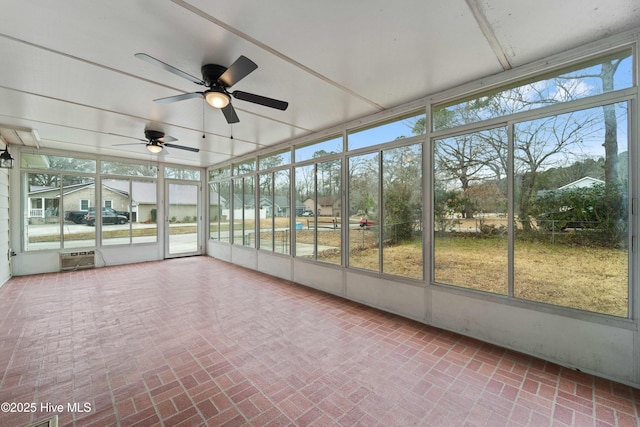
(182, 147)
(177, 98)
(169, 68)
(238, 71)
(230, 114)
(262, 100)
(127, 136)
(167, 138)
(132, 143)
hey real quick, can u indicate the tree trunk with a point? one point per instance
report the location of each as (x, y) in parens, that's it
(610, 143)
(526, 195)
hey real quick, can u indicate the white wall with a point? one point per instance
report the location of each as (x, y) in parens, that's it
(5, 263)
(595, 344)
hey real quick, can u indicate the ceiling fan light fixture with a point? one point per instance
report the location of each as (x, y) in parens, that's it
(217, 98)
(154, 147)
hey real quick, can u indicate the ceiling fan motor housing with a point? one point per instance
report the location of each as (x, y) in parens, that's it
(211, 73)
(153, 135)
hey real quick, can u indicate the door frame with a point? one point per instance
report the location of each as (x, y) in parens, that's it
(167, 235)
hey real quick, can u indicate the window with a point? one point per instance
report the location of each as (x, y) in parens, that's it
(219, 211)
(571, 209)
(144, 211)
(318, 149)
(127, 169)
(273, 160)
(60, 204)
(470, 210)
(214, 210)
(364, 208)
(580, 81)
(266, 216)
(570, 220)
(402, 211)
(244, 167)
(400, 128)
(182, 173)
(305, 211)
(328, 212)
(216, 174)
(274, 211)
(115, 217)
(53, 219)
(58, 163)
(244, 211)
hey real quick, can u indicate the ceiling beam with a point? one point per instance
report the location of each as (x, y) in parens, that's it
(486, 29)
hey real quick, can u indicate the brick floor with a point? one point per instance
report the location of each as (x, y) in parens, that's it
(196, 341)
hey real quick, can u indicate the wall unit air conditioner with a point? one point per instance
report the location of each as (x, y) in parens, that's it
(71, 261)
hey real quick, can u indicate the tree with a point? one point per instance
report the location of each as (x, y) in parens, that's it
(402, 191)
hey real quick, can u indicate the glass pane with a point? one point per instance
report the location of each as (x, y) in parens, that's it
(42, 212)
(181, 173)
(282, 211)
(219, 173)
(319, 149)
(571, 206)
(581, 81)
(116, 227)
(266, 213)
(470, 211)
(245, 167)
(273, 160)
(214, 211)
(78, 232)
(402, 128)
(224, 211)
(238, 211)
(66, 164)
(364, 224)
(305, 188)
(402, 211)
(144, 211)
(128, 169)
(249, 212)
(329, 211)
(183, 218)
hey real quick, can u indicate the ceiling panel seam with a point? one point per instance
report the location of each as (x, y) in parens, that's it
(115, 70)
(486, 29)
(275, 52)
(86, 61)
(103, 110)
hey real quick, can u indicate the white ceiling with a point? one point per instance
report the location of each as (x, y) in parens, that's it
(69, 71)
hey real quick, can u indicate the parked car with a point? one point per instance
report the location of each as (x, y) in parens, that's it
(111, 210)
(75, 216)
(307, 213)
(109, 216)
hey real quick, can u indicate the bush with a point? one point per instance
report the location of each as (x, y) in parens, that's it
(600, 208)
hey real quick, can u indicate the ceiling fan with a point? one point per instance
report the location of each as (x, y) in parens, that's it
(156, 141)
(218, 79)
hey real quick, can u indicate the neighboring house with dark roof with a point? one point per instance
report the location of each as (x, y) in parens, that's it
(43, 203)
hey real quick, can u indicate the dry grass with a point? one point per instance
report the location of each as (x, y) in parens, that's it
(588, 278)
(592, 279)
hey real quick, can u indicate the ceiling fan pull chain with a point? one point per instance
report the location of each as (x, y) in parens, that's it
(203, 101)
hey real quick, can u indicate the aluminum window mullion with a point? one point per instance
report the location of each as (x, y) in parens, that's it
(510, 210)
